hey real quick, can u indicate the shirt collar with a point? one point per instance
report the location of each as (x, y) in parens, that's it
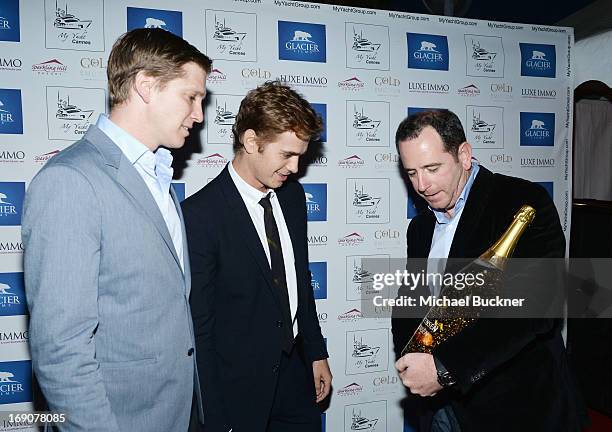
(248, 192)
(130, 146)
(158, 164)
(441, 216)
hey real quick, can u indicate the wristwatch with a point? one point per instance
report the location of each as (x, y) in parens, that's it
(445, 379)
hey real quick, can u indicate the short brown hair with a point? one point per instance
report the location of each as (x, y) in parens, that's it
(157, 52)
(274, 108)
(445, 122)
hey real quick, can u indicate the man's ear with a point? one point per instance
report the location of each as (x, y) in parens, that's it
(464, 154)
(249, 141)
(144, 85)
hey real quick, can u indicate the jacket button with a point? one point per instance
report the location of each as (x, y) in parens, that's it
(190, 352)
(275, 368)
(279, 323)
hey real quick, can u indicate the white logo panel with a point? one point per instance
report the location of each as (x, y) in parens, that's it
(367, 201)
(231, 35)
(220, 116)
(367, 123)
(74, 25)
(71, 110)
(367, 46)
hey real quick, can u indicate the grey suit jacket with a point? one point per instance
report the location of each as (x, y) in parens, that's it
(111, 334)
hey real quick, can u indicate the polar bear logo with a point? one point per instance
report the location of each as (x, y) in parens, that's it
(538, 55)
(427, 46)
(537, 124)
(4, 288)
(2, 199)
(155, 23)
(6, 377)
(300, 35)
(309, 198)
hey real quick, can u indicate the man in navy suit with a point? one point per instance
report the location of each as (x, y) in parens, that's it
(258, 340)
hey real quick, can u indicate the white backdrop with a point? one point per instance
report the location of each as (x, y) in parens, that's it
(363, 70)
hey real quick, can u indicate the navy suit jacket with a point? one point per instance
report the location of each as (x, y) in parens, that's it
(236, 309)
(512, 374)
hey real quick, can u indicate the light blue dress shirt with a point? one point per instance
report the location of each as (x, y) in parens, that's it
(156, 171)
(444, 231)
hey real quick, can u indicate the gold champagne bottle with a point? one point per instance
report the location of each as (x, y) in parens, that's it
(443, 322)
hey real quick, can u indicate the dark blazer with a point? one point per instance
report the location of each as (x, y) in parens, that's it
(512, 374)
(236, 310)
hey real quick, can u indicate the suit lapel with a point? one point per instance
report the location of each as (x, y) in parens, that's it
(129, 179)
(241, 219)
(471, 216)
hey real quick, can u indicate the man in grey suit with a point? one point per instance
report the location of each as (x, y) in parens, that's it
(106, 263)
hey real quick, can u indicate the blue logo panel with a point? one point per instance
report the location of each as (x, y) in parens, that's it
(11, 117)
(538, 60)
(11, 203)
(322, 422)
(301, 42)
(179, 190)
(411, 209)
(12, 294)
(9, 21)
(321, 109)
(537, 129)
(416, 110)
(426, 51)
(15, 382)
(318, 272)
(155, 18)
(548, 185)
(316, 201)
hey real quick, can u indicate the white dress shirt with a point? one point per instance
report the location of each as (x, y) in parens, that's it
(251, 198)
(156, 171)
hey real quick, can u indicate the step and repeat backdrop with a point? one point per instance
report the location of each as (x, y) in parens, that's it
(363, 71)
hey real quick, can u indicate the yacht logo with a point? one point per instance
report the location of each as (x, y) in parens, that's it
(479, 125)
(363, 350)
(231, 35)
(426, 51)
(481, 54)
(367, 351)
(486, 126)
(537, 129)
(74, 25)
(361, 423)
(369, 202)
(224, 116)
(226, 34)
(361, 275)
(538, 60)
(361, 199)
(68, 21)
(362, 44)
(71, 110)
(66, 111)
(367, 46)
(368, 122)
(301, 41)
(362, 121)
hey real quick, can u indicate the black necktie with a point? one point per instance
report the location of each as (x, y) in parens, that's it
(277, 265)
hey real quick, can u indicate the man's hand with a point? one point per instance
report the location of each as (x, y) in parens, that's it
(418, 373)
(322, 378)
